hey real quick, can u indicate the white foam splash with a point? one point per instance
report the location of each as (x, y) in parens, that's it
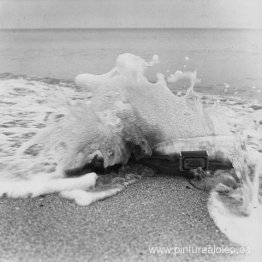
(77, 126)
(243, 230)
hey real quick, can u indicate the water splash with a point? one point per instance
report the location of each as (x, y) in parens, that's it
(69, 125)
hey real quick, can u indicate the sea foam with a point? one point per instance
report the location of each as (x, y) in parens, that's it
(50, 126)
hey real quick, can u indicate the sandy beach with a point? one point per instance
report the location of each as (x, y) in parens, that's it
(155, 212)
(117, 87)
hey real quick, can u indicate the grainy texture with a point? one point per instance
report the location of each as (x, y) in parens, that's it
(158, 211)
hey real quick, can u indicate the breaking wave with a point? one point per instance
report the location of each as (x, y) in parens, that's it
(48, 126)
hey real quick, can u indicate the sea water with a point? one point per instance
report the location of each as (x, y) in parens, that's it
(227, 61)
(37, 68)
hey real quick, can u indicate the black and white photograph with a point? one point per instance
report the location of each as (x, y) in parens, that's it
(130, 130)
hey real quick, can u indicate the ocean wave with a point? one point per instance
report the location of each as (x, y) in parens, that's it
(47, 80)
(36, 101)
(50, 125)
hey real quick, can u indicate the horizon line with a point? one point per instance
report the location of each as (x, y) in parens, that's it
(131, 28)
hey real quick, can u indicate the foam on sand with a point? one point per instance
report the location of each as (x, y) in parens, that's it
(243, 230)
(49, 127)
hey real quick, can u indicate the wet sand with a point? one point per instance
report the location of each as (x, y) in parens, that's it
(159, 211)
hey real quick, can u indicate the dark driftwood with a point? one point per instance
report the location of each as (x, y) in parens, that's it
(166, 164)
(169, 164)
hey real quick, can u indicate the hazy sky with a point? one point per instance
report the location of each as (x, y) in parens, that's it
(130, 13)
